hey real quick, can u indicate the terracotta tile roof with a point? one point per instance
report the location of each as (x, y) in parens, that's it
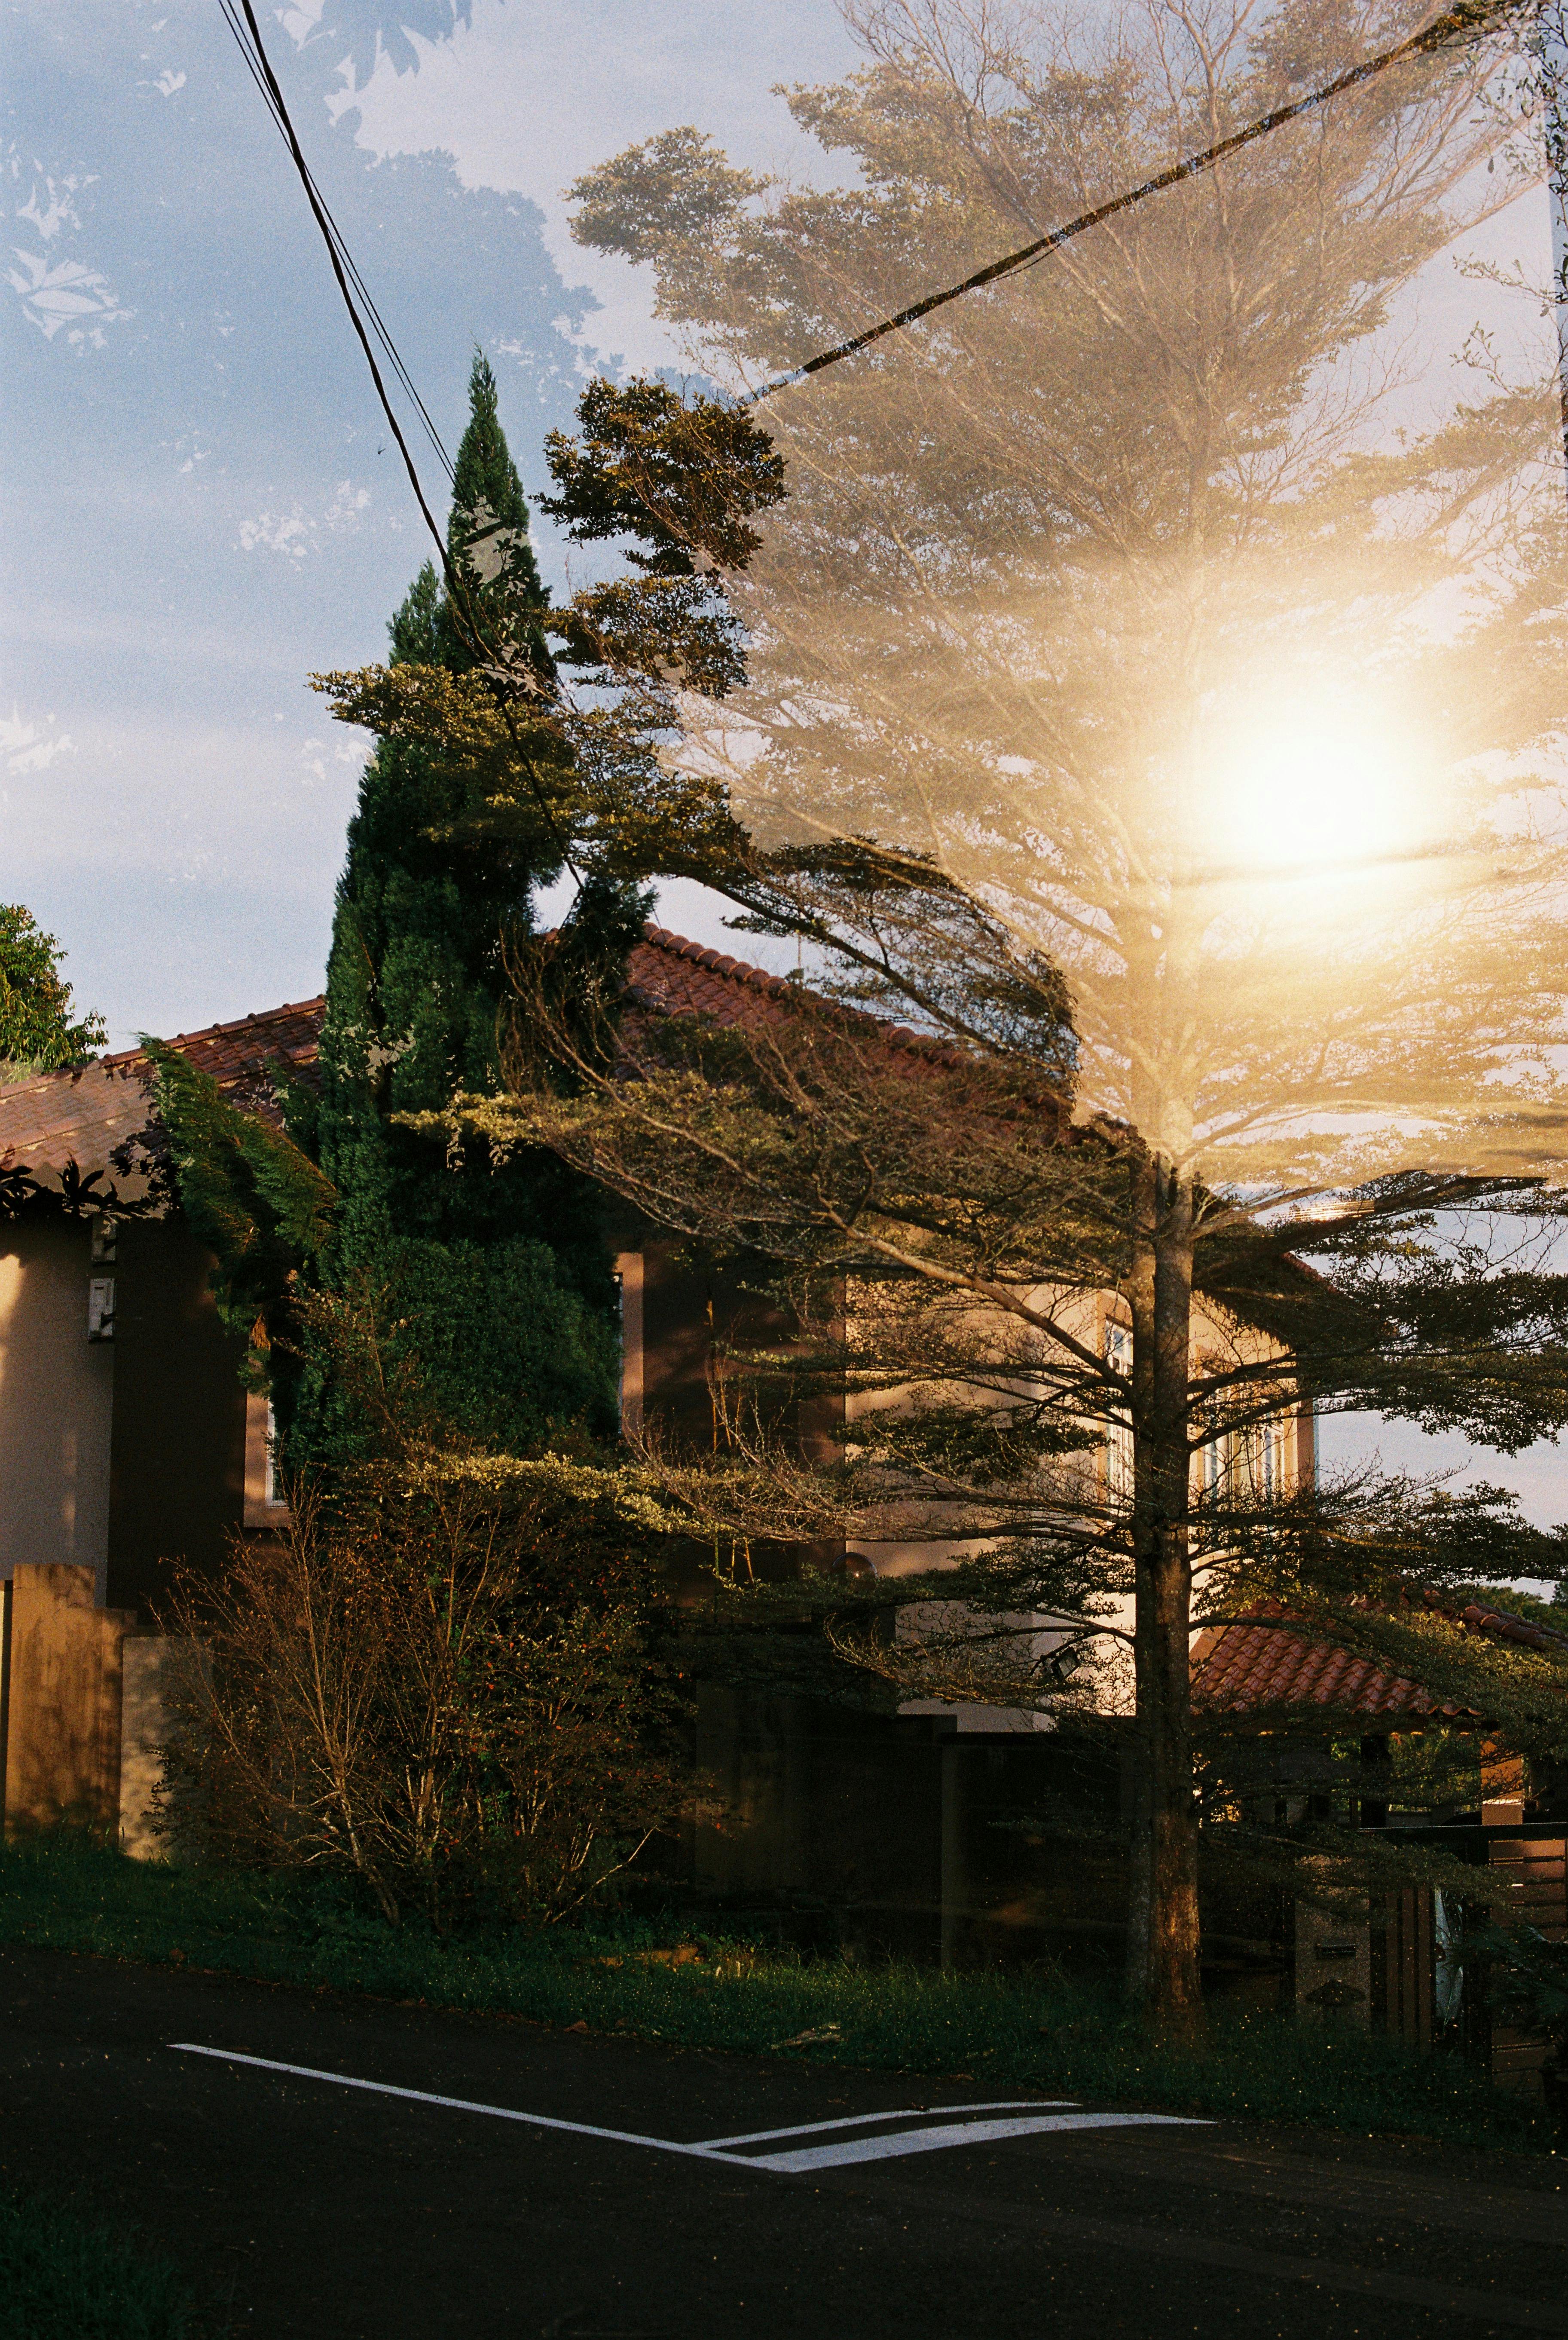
(672, 977)
(1270, 1661)
(98, 1116)
(1504, 1626)
(1262, 1662)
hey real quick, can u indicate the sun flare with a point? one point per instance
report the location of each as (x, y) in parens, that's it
(1306, 796)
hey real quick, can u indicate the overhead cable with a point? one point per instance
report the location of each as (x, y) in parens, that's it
(456, 590)
(1471, 16)
(256, 66)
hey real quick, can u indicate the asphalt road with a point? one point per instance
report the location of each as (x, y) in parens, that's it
(305, 2209)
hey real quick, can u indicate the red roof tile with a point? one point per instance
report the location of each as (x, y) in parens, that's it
(1260, 1663)
(86, 1115)
(1270, 1660)
(673, 976)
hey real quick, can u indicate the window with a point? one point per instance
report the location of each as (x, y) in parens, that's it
(1118, 1435)
(264, 1505)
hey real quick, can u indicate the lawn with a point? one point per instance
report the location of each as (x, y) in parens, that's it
(652, 1979)
(63, 2277)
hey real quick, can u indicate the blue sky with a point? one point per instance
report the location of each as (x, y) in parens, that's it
(200, 502)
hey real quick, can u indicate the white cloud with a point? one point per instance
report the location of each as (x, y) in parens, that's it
(25, 749)
(291, 533)
(318, 756)
(56, 211)
(296, 532)
(348, 502)
(70, 294)
(169, 82)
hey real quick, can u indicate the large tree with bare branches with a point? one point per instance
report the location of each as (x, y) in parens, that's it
(1170, 637)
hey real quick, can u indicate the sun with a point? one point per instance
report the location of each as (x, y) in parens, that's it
(1297, 793)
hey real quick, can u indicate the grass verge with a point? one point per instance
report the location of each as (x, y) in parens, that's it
(1024, 2030)
(63, 2277)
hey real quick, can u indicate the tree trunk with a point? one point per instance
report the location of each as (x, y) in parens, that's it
(1162, 1918)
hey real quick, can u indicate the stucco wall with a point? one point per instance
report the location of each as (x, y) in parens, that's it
(178, 1489)
(57, 1403)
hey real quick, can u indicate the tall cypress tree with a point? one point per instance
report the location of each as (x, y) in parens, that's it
(494, 1276)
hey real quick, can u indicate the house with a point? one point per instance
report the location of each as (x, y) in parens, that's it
(127, 1440)
(125, 1435)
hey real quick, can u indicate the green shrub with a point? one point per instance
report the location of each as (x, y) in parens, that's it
(63, 2277)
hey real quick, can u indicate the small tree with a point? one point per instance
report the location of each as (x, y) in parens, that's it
(443, 1679)
(37, 1033)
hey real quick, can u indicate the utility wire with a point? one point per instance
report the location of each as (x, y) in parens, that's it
(383, 333)
(456, 588)
(1469, 17)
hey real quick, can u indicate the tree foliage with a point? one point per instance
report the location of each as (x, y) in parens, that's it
(1044, 568)
(38, 1029)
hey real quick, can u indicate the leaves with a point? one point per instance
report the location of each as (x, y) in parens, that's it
(37, 1032)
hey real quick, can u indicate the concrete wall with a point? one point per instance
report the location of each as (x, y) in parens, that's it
(152, 1667)
(56, 1402)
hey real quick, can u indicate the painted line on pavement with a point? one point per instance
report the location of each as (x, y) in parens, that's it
(451, 2104)
(905, 2112)
(845, 2150)
(839, 2153)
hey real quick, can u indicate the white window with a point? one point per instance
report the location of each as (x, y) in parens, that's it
(1118, 1435)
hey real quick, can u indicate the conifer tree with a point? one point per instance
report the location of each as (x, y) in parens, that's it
(493, 1274)
(486, 1275)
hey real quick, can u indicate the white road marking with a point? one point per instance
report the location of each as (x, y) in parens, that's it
(847, 2149)
(839, 2153)
(452, 2104)
(905, 2112)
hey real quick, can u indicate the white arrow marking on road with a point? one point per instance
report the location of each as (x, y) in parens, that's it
(846, 2149)
(840, 2152)
(905, 2112)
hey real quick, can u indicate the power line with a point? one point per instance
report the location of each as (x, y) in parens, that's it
(383, 333)
(456, 589)
(1469, 17)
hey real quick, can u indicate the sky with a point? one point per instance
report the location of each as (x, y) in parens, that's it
(201, 505)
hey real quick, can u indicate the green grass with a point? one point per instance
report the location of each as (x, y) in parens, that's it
(63, 2277)
(1020, 2030)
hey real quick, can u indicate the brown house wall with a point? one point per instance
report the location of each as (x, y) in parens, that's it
(177, 1457)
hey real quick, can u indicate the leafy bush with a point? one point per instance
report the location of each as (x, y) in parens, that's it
(445, 1684)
